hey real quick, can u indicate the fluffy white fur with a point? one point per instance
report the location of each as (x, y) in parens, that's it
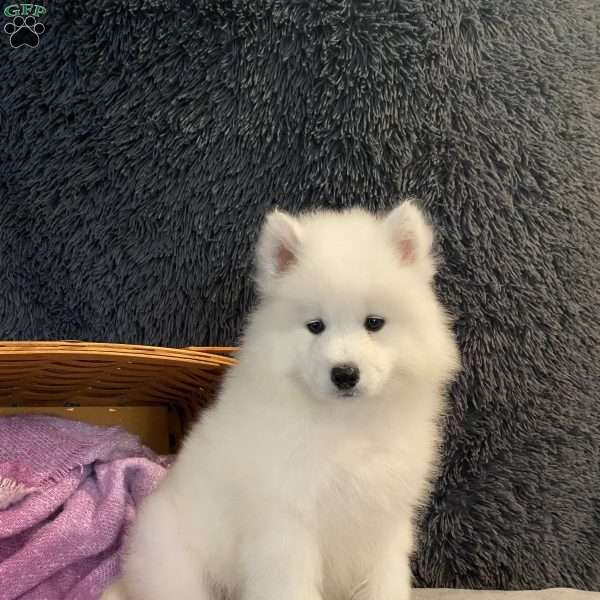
(288, 489)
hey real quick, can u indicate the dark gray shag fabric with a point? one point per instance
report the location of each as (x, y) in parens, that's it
(142, 142)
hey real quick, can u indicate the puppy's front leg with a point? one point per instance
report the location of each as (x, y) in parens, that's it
(391, 577)
(282, 562)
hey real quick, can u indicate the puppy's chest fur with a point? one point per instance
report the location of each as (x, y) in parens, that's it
(350, 476)
(343, 484)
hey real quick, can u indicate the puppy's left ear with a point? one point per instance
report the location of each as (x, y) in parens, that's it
(411, 236)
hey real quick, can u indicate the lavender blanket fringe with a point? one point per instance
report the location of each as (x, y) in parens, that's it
(68, 492)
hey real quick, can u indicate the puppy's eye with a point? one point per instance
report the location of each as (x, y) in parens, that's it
(374, 323)
(316, 327)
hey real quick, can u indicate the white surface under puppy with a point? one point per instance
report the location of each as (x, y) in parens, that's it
(294, 487)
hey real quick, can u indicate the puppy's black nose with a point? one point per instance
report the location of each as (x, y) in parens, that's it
(345, 377)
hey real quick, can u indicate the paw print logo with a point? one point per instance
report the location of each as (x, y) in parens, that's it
(24, 31)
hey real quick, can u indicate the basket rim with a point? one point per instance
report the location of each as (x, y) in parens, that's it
(193, 356)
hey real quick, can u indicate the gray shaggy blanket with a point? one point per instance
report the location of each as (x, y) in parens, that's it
(142, 142)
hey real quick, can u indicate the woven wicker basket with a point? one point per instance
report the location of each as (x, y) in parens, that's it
(73, 374)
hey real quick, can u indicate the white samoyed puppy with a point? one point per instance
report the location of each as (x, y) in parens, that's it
(302, 482)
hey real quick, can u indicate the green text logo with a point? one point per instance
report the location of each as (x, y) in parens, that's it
(15, 10)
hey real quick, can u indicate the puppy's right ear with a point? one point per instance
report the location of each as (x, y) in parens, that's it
(278, 247)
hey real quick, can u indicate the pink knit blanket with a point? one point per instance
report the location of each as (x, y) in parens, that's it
(68, 492)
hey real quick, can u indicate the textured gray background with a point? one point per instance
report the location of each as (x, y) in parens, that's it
(142, 143)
